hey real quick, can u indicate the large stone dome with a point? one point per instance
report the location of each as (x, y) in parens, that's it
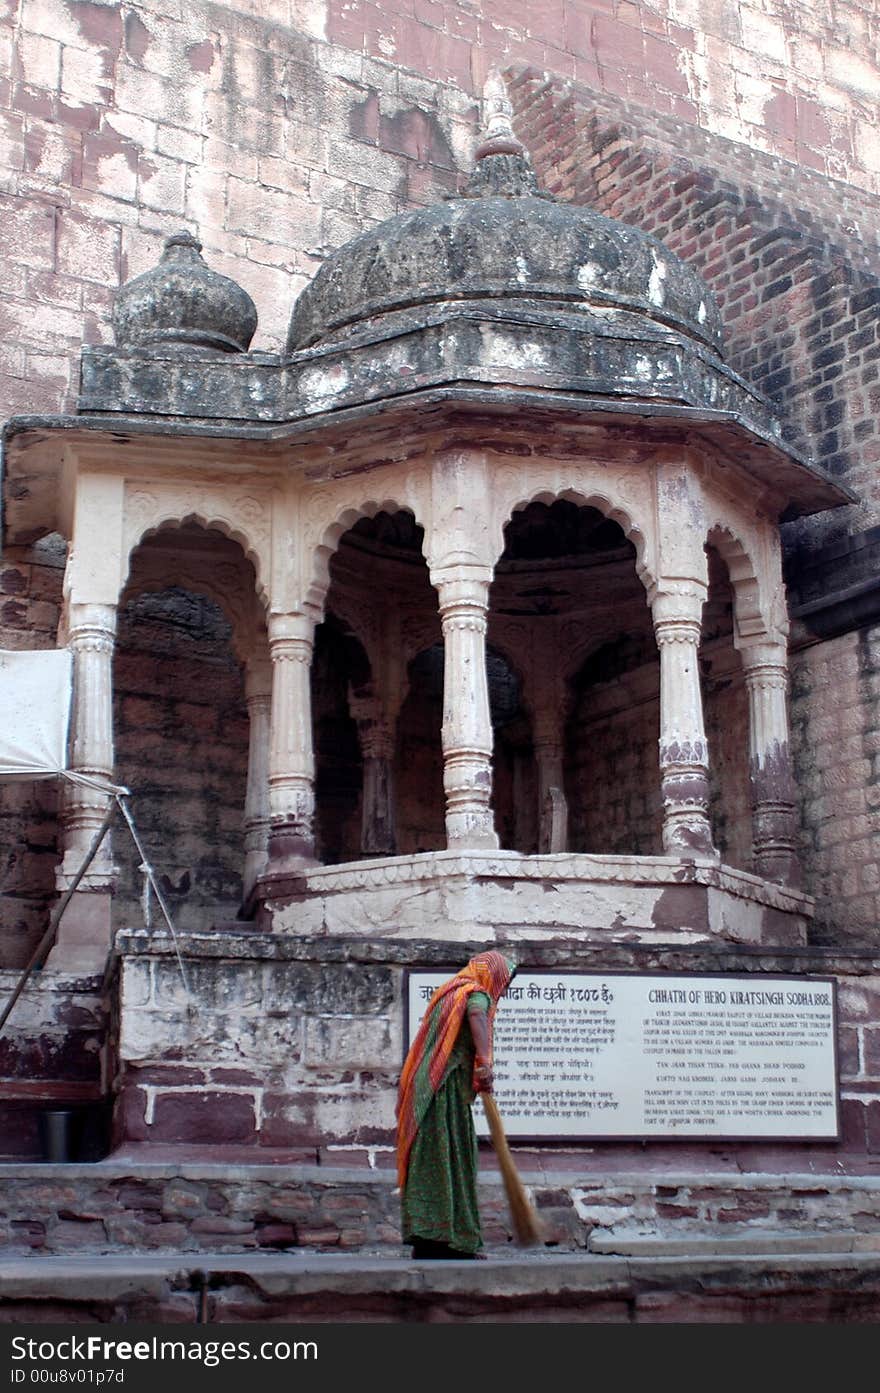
(505, 242)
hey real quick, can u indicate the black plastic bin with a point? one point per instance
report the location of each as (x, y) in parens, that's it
(57, 1127)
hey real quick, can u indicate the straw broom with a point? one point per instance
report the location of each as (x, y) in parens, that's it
(527, 1226)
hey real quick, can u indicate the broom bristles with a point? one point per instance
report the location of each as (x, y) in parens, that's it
(527, 1226)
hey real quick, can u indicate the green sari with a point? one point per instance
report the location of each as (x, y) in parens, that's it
(439, 1199)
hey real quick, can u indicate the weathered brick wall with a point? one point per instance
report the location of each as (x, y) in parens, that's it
(727, 731)
(418, 766)
(792, 260)
(349, 1204)
(181, 730)
(791, 79)
(278, 1053)
(613, 778)
(276, 132)
(53, 1053)
(836, 743)
(795, 267)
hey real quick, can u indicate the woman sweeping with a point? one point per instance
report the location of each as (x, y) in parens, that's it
(449, 1062)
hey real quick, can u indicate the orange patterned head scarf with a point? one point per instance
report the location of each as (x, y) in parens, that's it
(425, 1066)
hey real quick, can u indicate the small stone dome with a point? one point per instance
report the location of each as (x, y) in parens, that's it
(182, 302)
(503, 241)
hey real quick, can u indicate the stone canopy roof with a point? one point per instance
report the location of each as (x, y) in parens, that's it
(503, 241)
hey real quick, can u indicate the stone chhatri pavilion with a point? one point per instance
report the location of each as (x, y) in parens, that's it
(497, 538)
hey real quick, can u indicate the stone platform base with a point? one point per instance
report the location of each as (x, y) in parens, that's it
(565, 896)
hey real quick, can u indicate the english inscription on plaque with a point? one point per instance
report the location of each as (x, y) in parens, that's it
(636, 1055)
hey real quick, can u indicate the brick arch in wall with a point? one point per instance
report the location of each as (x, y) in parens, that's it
(340, 668)
(372, 578)
(418, 761)
(514, 776)
(246, 526)
(230, 582)
(612, 779)
(752, 605)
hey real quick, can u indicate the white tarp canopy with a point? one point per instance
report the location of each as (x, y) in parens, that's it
(35, 693)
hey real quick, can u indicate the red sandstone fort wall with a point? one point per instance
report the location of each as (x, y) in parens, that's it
(276, 130)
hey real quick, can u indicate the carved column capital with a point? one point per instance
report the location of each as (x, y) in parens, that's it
(765, 664)
(291, 637)
(678, 603)
(463, 599)
(91, 628)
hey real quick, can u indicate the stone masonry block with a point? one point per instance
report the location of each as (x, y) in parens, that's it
(88, 249)
(338, 989)
(215, 985)
(368, 1117)
(194, 1116)
(84, 76)
(871, 1038)
(873, 1127)
(349, 1042)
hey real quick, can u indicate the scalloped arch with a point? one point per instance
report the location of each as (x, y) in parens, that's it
(167, 517)
(604, 505)
(748, 614)
(324, 550)
(246, 627)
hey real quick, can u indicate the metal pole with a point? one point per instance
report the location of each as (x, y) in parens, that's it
(46, 941)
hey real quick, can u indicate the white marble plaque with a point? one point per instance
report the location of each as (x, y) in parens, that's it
(633, 1055)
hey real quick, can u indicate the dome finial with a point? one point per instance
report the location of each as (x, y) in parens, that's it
(503, 168)
(499, 138)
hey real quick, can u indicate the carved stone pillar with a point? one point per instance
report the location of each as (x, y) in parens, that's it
(378, 835)
(684, 757)
(258, 695)
(467, 726)
(83, 938)
(774, 818)
(291, 757)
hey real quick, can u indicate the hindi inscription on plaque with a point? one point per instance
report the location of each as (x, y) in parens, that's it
(636, 1055)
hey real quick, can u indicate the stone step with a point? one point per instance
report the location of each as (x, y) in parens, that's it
(529, 1286)
(751, 1241)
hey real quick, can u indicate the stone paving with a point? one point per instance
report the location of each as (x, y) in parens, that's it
(770, 1283)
